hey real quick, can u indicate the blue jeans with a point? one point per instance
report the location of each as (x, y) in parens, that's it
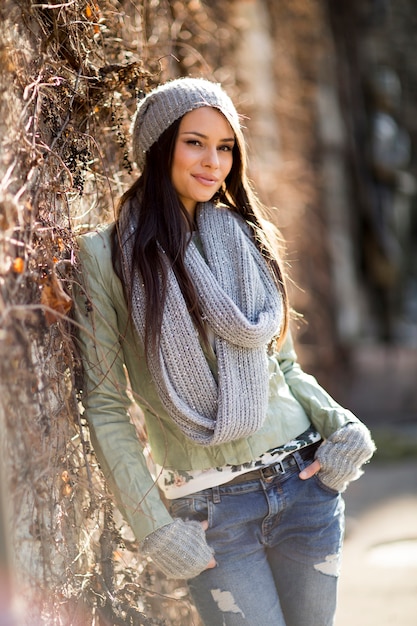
(277, 543)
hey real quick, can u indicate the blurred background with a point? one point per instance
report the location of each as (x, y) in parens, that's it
(328, 94)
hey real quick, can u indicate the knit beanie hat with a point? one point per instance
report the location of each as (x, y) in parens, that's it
(170, 101)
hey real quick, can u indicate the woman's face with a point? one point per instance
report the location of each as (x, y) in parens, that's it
(202, 156)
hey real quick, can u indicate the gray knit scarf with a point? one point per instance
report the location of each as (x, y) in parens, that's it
(240, 304)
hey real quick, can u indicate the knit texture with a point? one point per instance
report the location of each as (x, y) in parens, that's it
(242, 307)
(342, 455)
(179, 549)
(170, 101)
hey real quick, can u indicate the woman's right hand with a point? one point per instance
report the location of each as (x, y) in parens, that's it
(180, 549)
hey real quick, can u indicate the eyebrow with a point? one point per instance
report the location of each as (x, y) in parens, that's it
(195, 132)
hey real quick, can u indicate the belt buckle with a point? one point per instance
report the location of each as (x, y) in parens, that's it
(270, 471)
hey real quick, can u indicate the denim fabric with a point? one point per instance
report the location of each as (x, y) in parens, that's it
(277, 544)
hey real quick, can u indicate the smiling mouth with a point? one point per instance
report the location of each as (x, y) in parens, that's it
(205, 181)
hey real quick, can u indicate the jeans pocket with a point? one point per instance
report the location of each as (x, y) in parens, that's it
(194, 507)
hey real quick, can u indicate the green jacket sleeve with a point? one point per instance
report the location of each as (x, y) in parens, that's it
(325, 413)
(105, 400)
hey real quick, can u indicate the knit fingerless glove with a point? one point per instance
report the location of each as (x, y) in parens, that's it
(178, 549)
(342, 455)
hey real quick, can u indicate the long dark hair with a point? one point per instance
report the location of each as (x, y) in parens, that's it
(165, 224)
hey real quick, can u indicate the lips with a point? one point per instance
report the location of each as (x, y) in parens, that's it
(208, 181)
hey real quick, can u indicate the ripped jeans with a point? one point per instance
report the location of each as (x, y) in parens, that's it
(277, 543)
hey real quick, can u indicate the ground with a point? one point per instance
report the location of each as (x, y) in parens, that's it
(379, 572)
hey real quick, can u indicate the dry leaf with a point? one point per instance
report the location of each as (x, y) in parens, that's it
(18, 265)
(54, 297)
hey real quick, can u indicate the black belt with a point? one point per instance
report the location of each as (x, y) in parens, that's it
(281, 467)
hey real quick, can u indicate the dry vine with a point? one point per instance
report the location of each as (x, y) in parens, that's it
(71, 74)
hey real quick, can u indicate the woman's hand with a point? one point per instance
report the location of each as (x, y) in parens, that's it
(309, 471)
(212, 563)
(179, 549)
(342, 455)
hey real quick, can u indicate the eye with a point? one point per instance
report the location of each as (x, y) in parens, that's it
(226, 148)
(193, 142)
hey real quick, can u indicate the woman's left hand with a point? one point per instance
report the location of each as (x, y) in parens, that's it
(309, 471)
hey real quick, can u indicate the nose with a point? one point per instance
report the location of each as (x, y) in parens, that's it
(211, 158)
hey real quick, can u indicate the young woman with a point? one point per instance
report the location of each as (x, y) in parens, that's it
(185, 292)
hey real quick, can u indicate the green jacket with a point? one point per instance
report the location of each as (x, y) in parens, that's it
(113, 354)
